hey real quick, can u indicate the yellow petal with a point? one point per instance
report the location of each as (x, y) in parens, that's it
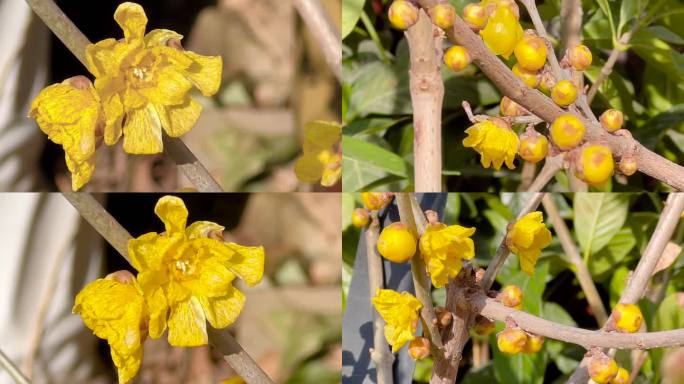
(172, 211)
(104, 58)
(223, 311)
(187, 324)
(202, 229)
(80, 172)
(148, 251)
(114, 112)
(215, 279)
(247, 263)
(331, 176)
(308, 169)
(159, 37)
(205, 72)
(127, 365)
(156, 302)
(179, 119)
(132, 19)
(142, 132)
(321, 135)
(172, 88)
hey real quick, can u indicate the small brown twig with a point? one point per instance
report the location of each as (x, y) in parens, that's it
(323, 30)
(527, 177)
(380, 353)
(427, 93)
(12, 369)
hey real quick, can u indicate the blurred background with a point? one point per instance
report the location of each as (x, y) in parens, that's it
(275, 79)
(290, 324)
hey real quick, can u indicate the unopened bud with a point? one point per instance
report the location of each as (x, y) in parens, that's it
(443, 15)
(403, 14)
(419, 348)
(602, 368)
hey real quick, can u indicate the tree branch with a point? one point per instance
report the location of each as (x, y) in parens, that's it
(552, 164)
(325, 33)
(76, 42)
(12, 369)
(427, 93)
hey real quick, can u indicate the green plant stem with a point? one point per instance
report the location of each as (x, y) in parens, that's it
(77, 42)
(12, 369)
(374, 36)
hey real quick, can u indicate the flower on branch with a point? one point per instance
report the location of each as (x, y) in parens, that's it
(502, 32)
(526, 238)
(321, 160)
(495, 141)
(401, 313)
(443, 247)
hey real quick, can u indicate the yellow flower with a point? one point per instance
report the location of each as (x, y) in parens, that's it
(114, 309)
(233, 380)
(494, 141)
(144, 82)
(321, 159)
(70, 114)
(502, 32)
(443, 248)
(401, 313)
(186, 275)
(527, 238)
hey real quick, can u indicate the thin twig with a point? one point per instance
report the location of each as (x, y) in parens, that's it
(582, 272)
(12, 369)
(325, 33)
(636, 284)
(110, 229)
(527, 175)
(427, 93)
(541, 31)
(76, 42)
(380, 353)
(502, 252)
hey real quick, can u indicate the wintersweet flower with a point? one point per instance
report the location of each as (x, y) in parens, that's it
(526, 238)
(114, 309)
(443, 247)
(186, 275)
(70, 114)
(401, 313)
(144, 82)
(495, 141)
(321, 160)
(502, 32)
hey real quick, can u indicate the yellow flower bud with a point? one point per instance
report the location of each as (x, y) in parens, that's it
(483, 325)
(511, 296)
(502, 32)
(567, 131)
(456, 58)
(511, 340)
(443, 15)
(534, 343)
(564, 93)
(579, 57)
(627, 317)
(531, 52)
(396, 243)
(376, 201)
(495, 141)
(530, 78)
(475, 16)
(602, 368)
(360, 217)
(622, 377)
(533, 146)
(491, 5)
(612, 119)
(595, 164)
(628, 165)
(403, 14)
(508, 107)
(419, 348)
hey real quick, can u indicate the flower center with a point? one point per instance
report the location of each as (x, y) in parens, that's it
(184, 269)
(139, 73)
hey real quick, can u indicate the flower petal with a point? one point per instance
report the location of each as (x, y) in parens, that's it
(132, 19)
(215, 279)
(127, 365)
(187, 324)
(205, 72)
(147, 252)
(202, 229)
(308, 169)
(179, 119)
(172, 211)
(172, 88)
(143, 132)
(247, 263)
(159, 37)
(223, 311)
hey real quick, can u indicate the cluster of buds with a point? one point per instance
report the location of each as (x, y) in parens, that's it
(403, 14)
(511, 296)
(513, 340)
(603, 369)
(372, 201)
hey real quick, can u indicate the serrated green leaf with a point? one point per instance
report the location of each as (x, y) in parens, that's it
(598, 217)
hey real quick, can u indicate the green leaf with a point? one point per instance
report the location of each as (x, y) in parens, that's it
(452, 211)
(617, 284)
(605, 8)
(628, 11)
(351, 11)
(365, 162)
(602, 263)
(598, 217)
(371, 125)
(478, 376)
(670, 315)
(347, 208)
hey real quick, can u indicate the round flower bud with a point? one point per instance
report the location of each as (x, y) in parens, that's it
(602, 368)
(530, 78)
(564, 93)
(547, 82)
(530, 52)
(475, 16)
(484, 326)
(396, 243)
(403, 14)
(376, 201)
(419, 348)
(360, 217)
(511, 340)
(534, 343)
(443, 15)
(511, 296)
(579, 57)
(502, 32)
(567, 132)
(491, 5)
(628, 165)
(533, 146)
(622, 377)
(456, 58)
(612, 119)
(595, 164)
(627, 317)
(508, 107)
